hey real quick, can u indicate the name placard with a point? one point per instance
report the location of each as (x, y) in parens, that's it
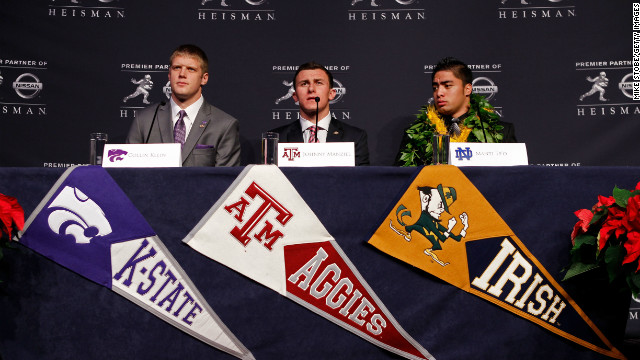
(142, 155)
(486, 154)
(319, 154)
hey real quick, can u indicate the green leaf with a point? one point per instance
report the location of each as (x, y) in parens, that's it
(613, 259)
(578, 268)
(584, 239)
(622, 196)
(633, 280)
(599, 215)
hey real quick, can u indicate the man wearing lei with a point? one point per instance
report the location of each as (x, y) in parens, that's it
(456, 111)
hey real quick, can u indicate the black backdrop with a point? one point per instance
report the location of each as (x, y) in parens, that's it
(72, 64)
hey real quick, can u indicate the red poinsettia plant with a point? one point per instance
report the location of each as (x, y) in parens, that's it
(11, 214)
(609, 235)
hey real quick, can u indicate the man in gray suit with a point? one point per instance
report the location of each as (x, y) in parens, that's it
(208, 135)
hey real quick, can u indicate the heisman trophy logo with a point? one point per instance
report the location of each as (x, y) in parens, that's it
(599, 83)
(144, 85)
(76, 215)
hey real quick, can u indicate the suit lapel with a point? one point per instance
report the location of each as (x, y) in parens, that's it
(335, 132)
(165, 124)
(295, 133)
(200, 123)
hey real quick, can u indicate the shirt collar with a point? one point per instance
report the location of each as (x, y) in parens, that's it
(323, 123)
(192, 110)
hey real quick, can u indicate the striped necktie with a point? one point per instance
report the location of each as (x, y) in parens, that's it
(180, 130)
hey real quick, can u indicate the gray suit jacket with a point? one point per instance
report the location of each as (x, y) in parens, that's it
(213, 140)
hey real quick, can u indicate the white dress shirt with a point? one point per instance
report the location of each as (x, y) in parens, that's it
(322, 123)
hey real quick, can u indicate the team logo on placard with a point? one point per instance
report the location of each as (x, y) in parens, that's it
(385, 10)
(240, 11)
(22, 87)
(462, 154)
(536, 9)
(605, 88)
(116, 155)
(291, 153)
(87, 9)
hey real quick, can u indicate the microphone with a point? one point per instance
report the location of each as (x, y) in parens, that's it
(317, 101)
(162, 103)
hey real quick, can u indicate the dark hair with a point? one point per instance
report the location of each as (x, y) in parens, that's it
(190, 50)
(312, 65)
(457, 67)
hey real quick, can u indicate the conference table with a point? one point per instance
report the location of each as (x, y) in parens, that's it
(50, 312)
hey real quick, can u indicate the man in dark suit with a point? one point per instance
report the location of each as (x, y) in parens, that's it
(312, 81)
(208, 135)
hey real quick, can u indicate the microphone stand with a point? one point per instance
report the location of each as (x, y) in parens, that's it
(153, 121)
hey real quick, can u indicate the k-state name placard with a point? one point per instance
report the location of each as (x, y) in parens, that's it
(318, 154)
(142, 155)
(488, 154)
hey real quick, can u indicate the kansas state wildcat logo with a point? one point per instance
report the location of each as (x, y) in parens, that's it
(75, 214)
(117, 154)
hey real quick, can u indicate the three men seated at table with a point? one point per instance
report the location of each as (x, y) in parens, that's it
(210, 137)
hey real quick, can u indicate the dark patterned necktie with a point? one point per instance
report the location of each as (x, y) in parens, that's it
(312, 134)
(180, 130)
(454, 129)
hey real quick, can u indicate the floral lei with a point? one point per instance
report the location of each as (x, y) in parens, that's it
(417, 150)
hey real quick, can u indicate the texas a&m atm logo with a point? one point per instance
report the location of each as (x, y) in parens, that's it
(291, 153)
(258, 220)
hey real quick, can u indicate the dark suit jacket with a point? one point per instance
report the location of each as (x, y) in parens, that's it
(508, 132)
(213, 140)
(338, 132)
